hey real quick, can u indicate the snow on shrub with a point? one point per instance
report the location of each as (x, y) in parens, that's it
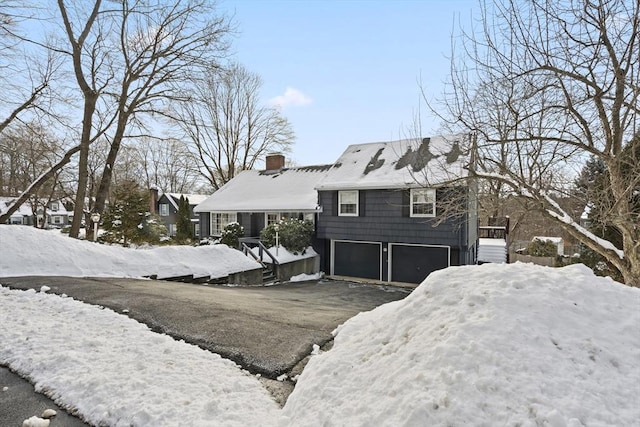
(294, 235)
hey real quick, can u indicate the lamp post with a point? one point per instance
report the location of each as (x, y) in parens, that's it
(95, 218)
(277, 228)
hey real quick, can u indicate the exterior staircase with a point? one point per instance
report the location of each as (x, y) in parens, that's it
(493, 243)
(269, 269)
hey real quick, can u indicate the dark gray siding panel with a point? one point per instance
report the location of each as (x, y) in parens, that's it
(244, 219)
(257, 224)
(386, 220)
(205, 224)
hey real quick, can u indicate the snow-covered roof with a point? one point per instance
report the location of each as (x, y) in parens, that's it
(23, 210)
(289, 189)
(399, 164)
(26, 209)
(194, 199)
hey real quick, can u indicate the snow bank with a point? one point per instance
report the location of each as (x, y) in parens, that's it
(483, 345)
(283, 255)
(495, 344)
(29, 251)
(114, 371)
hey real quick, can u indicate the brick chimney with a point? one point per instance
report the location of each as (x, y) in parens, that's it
(274, 161)
(153, 200)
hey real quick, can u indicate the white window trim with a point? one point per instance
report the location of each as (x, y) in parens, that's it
(266, 217)
(163, 209)
(306, 216)
(431, 191)
(231, 217)
(345, 192)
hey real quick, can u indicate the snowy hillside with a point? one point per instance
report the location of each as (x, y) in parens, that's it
(482, 345)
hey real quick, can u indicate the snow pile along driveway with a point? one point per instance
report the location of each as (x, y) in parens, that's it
(27, 251)
(484, 345)
(488, 345)
(114, 371)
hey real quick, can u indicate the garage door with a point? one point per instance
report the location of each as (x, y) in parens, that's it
(356, 259)
(412, 263)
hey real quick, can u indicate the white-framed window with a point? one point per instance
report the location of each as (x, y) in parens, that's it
(272, 218)
(172, 230)
(348, 203)
(220, 220)
(196, 229)
(56, 219)
(53, 206)
(275, 217)
(163, 209)
(423, 202)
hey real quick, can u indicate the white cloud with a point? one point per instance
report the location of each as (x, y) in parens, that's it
(292, 98)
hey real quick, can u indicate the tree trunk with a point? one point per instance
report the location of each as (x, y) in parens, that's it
(107, 173)
(631, 274)
(83, 173)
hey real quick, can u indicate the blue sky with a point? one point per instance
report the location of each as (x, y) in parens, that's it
(347, 72)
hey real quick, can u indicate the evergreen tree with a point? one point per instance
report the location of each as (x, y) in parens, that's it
(184, 230)
(128, 219)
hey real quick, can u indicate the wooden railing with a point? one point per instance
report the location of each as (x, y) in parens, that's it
(262, 250)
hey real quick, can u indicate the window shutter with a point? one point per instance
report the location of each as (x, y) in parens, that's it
(334, 200)
(406, 203)
(361, 202)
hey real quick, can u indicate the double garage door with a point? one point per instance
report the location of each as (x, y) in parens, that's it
(393, 262)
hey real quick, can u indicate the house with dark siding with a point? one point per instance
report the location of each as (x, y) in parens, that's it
(166, 206)
(258, 198)
(397, 211)
(389, 211)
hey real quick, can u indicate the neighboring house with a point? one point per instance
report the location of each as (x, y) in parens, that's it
(375, 218)
(256, 199)
(55, 216)
(380, 219)
(166, 206)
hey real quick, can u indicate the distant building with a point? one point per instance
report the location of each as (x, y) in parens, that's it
(166, 206)
(55, 215)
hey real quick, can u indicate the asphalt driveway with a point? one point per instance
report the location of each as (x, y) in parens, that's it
(266, 330)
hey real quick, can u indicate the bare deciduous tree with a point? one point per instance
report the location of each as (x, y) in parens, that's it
(25, 82)
(542, 85)
(229, 128)
(167, 165)
(88, 55)
(26, 153)
(162, 46)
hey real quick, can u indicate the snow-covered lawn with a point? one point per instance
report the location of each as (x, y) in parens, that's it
(482, 345)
